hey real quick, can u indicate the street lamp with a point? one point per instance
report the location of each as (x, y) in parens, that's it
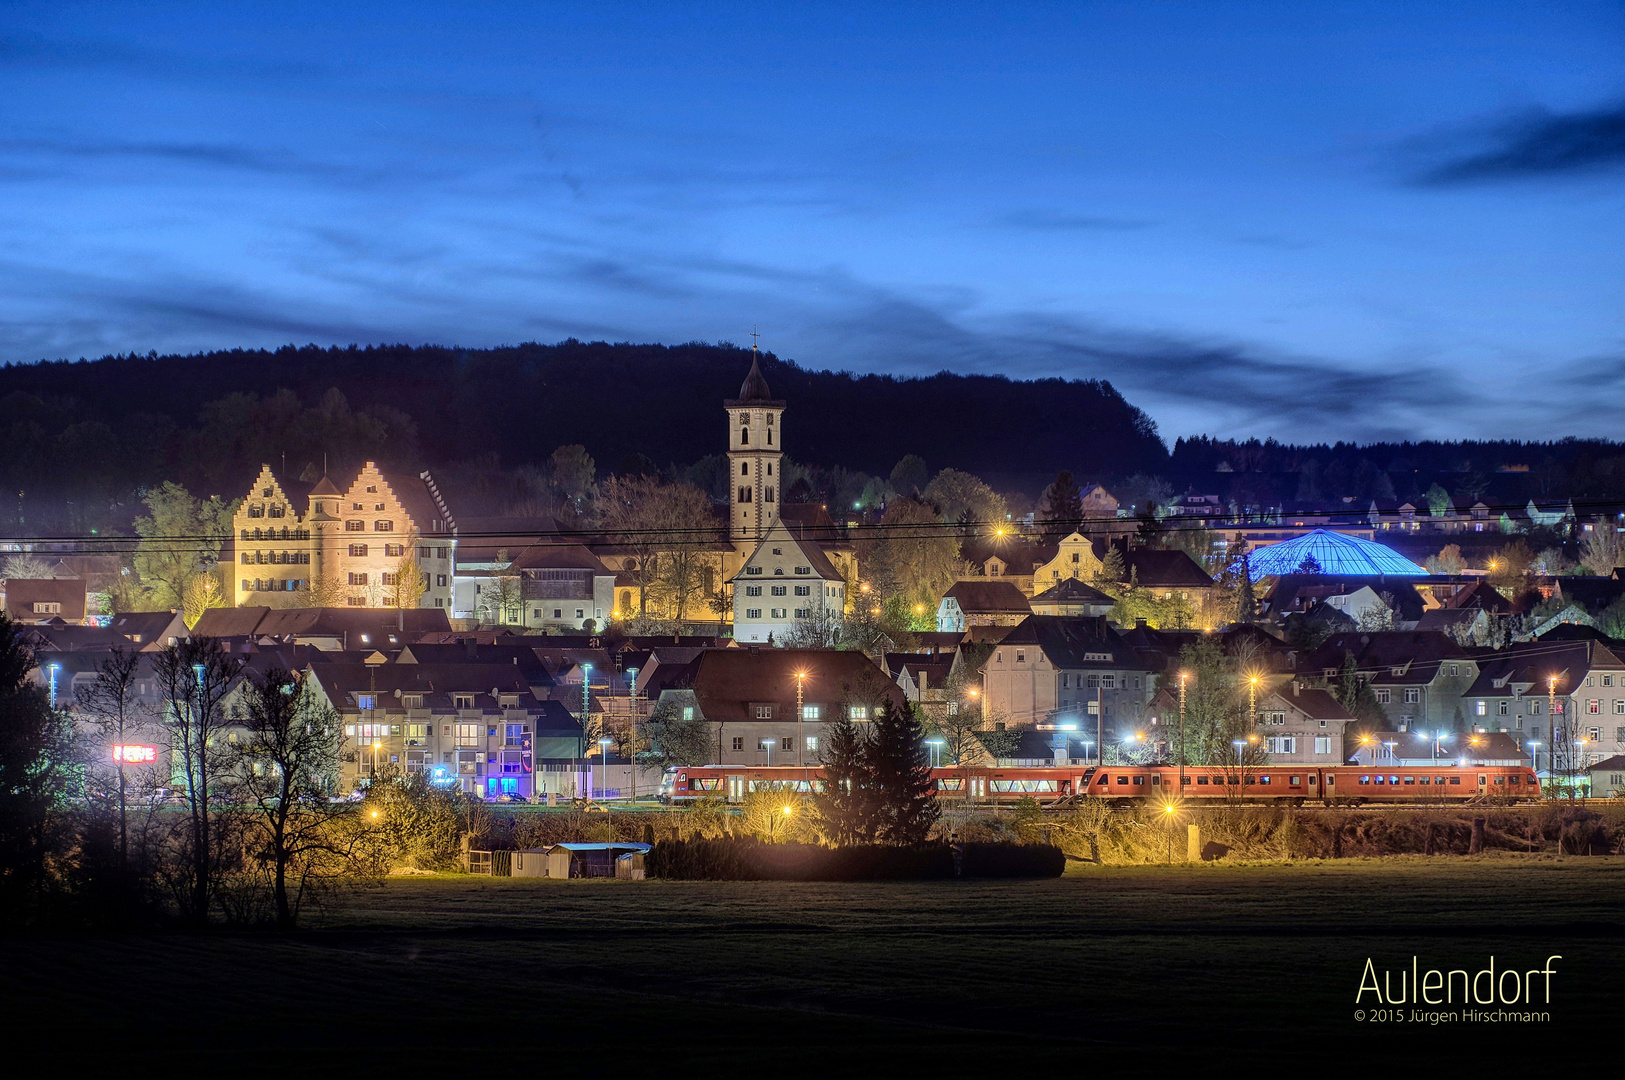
(55, 670)
(1183, 675)
(632, 675)
(766, 744)
(1534, 756)
(801, 738)
(1241, 748)
(603, 767)
(933, 744)
(375, 746)
(1168, 812)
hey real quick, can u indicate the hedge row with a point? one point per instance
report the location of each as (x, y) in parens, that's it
(735, 858)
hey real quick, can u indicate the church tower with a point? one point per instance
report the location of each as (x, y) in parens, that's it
(755, 448)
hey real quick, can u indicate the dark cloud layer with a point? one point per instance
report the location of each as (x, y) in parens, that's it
(1538, 145)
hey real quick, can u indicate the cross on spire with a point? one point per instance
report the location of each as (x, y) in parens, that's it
(753, 337)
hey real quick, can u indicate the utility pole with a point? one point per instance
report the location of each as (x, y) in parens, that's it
(632, 676)
(1183, 675)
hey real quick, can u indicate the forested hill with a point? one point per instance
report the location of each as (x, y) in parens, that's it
(208, 420)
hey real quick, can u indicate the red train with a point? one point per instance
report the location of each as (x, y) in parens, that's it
(1294, 784)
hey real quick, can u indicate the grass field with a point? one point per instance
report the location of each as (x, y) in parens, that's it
(1227, 965)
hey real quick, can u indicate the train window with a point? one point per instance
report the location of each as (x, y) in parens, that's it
(1294, 781)
(1139, 781)
(1393, 780)
(949, 785)
(1331, 781)
(1500, 779)
(1367, 779)
(1186, 780)
(1156, 781)
(1123, 780)
(1104, 778)
(1411, 780)
(1201, 781)
(1423, 780)
(705, 783)
(1512, 780)
(1312, 781)
(1381, 780)
(1455, 780)
(1263, 779)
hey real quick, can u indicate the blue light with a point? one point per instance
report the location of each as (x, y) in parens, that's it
(1334, 553)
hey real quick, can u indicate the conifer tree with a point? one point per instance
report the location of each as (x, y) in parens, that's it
(1063, 507)
(899, 765)
(844, 808)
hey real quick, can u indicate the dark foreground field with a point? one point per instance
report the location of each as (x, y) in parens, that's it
(1227, 966)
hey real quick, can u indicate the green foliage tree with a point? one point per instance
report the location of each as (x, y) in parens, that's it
(910, 556)
(959, 496)
(899, 765)
(1215, 712)
(1356, 695)
(845, 808)
(573, 473)
(1447, 561)
(1112, 578)
(909, 476)
(421, 826)
(1438, 500)
(1062, 510)
(36, 770)
(676, 742)
(1511, 569)
(179, 546)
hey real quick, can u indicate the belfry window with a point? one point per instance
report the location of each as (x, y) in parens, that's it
(744, 436)
(744, 468)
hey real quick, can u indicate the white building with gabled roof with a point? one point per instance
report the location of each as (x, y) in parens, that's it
(785, 581)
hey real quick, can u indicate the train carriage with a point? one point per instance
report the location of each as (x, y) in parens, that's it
(1129, 784)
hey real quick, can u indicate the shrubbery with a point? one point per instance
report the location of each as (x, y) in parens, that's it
(748, 859)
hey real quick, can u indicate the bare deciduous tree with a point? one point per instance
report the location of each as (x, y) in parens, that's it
(1601, 550)
(194, 676)
(112, 702)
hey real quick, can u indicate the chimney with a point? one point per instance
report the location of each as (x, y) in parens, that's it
(1139, 624)
(1297, 688)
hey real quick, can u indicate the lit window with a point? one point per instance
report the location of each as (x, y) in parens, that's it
(811, 712)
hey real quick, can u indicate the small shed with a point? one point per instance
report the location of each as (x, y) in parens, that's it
(592, 860)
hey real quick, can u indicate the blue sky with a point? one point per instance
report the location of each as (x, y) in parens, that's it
(1311, 221)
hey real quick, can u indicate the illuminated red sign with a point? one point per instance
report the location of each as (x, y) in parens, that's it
(132, 754)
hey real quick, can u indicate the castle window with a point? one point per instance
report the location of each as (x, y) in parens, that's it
(355, 506)
(803, 569)
(395, 551)
(778, 590)
(803, 590)
(744, 494)
(767, 496)
(390, 579)
(267, 493)
(355, 526)
(358, 551)
(256, 511)
(372, 489)
(277, 511)
(356, 601)
(358, 579)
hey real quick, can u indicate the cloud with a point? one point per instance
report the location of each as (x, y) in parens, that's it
(1060, 221)
(1534, 145)
(218, 155)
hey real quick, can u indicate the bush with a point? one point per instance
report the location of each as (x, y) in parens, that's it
(1012, 861)
(748, 859)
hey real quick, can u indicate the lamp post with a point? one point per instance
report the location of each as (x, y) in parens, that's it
(933, 744)
(55, 670)
(1241, 775)
(1169, 810)
(801, 738)
(632, 674)
(1551, 713)
(767, 744)
(1390, 746)
(376, 744)
(1088, 746)
(1183, 675)
(603, 767)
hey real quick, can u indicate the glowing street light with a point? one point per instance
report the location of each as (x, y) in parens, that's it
(1534, 754)
(603, 767)
(933, 744)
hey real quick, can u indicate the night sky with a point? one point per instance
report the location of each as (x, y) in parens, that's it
(1311, 221)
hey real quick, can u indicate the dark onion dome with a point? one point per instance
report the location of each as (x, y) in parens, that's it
(754, 391)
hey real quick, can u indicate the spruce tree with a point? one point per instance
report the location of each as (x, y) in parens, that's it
(845, 807)
(899, 766)
(35, 770)
(1063, 507)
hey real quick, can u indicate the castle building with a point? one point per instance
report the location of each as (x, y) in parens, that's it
(384, 541)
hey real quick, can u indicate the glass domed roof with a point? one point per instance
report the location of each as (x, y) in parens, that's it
(1334, 553)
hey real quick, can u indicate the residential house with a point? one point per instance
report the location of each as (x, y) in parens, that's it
(475, 727)
(1072, 598)
(1068, 670)
(1074, 557)
(1608, 778)
(1419, 677)
(41, 600)
(328, 629)
(981, 603)
(1302, 725)
(1529, 689)
(749, 695)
